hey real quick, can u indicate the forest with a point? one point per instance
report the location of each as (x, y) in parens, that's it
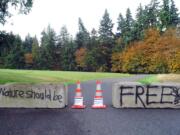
(147, 43)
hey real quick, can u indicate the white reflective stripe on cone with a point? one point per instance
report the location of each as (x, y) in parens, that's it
(98, 102)
(78, 86)
(98, 93)
(78, 101)
(98, 87)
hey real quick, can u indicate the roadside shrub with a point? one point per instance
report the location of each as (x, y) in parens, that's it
(156, 54)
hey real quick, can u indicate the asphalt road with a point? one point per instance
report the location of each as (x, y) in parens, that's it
(89, 121)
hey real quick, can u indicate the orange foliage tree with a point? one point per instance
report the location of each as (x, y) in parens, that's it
(80, 56)
(28, 58)
(156, 54)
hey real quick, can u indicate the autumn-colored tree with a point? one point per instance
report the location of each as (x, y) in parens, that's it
(80, 55)
(174, 64)
(156, 54)
(170, 47)
(117, 62)
(28, 60)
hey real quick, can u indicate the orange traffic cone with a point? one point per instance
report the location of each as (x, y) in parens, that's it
(78, 99)
(98, 99)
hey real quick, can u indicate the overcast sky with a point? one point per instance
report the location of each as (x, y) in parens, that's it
(66, 12)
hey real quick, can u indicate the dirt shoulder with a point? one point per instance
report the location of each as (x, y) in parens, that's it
(169, 78)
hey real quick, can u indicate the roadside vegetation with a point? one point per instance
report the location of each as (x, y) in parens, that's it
(160, 78)
(169, 78)
(146, 43)
(148, 80)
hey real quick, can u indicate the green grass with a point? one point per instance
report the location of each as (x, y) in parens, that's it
(161, 78)
(148, 80)
(37, 76)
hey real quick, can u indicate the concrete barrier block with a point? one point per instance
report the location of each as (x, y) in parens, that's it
(136, 95)
(33, 96)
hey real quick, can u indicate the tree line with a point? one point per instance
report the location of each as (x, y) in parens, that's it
(148, 43)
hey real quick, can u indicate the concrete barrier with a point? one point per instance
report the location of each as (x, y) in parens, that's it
(33, 96)
(136, 95)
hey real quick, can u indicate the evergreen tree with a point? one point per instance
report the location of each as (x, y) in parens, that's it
(63, 42)
(165, 15)
(48, 48)
(129, 23)
(146, 17)
(27, 44)
(68, 56)
(174, 15)
(105, 30)
(36, 53)
(91, 56)
(15, 58)
(138, 30)
(82, 37)
(121, 29)
(129, 20)
(64, 37)
(94, 59)
(106, 39)
(6, 43)
(153, 13)
(121, 24)
(93, 39)
(88, 61)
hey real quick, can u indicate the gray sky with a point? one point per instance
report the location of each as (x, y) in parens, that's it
(66, 12)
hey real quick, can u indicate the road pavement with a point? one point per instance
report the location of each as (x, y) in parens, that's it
(110, 121)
